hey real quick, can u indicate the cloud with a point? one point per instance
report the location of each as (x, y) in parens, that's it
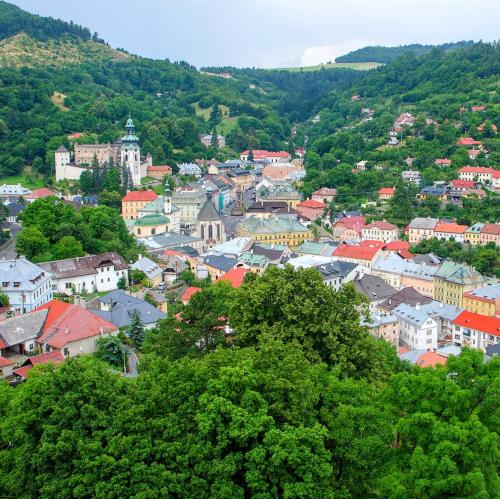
(318, 54)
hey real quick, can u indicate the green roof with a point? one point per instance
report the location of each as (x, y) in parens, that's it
(272, 225)
(311, 248)
(253, 260)
(459, 273)
(154, 219)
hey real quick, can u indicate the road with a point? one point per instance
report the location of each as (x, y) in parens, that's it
(133, 361)
(8, 251)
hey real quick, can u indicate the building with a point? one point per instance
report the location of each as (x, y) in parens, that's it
(484, 301)
(151, 225)
(450, 231)
(269, 156)
(439, 192)
(235, 277)
(153, 272)
(417, 329)
(13, 190)
(383, 326)
(72, 329)
(443, 162)
(324, 195)
(462, 185)
(479, 174)
(453, 279)
(134, 201)
(274, 230)
(216, 266)
(87, 274)
(157, 245)
(264, 209)
(22, 372)
(162, 205)
(28, 286)
(468, 142)
(490, 233)
(281, 170)
(421, 228)
(188, 293)
(189, 169)
(285, 193)
(386, 193)
(380, 231)
(232, 248)
(473, 233)
(210, 227)
(336, 274)
(118, 308)
(42, 192)
(159, 172)
(349, 228)
(405, 119)
(361, 255)
(242, 179)
(412, 176)
(311, 209)
(374, 289)
(476, 331)
(189, 200)
(206, 140)
(409, 296)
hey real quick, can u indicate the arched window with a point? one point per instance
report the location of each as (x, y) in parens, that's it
(153, 231)
(210, 232)
(218, 232)
(202, 231)
(139, 232)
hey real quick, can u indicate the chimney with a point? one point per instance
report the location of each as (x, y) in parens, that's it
(417, 306)
(66, 330)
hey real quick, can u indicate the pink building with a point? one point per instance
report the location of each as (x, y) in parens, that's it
(311, 209)
(490, 233)
(324, 195)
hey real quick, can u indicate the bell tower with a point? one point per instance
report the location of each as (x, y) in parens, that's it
(131, 152)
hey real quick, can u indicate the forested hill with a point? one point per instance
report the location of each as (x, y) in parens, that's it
(14, 20)
(385, 55)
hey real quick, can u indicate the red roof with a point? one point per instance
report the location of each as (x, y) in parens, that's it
(355, 223)
(476, 169)
(380, 224)
(66, 323)
(43, 192)
(387, 191)
(478, 108)
(468, 141)
(235, 277)
(496, 174)
(474, 152)
(262, 153)
(311, 203)
(491, 229)
(23, 371)
(397, 245)
(56, 357)
(188, 294)
(444, 161)
(140, 196)
(4, 362)
(159, 168)
(431, 359)
(477, 322)
(451, 228)
(357, 252)
(462, 184)
(405, 254)
(325, 191)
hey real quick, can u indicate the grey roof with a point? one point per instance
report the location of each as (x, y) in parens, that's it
(208, 212)
(123, 308)
(433, 190)
(412, 356)
(493, 350)
(270, 253)
(220, 262)
(376, 320)
(15, 208)
(427, 259)
(409, 295)
(61, 148)
(423, 223)
(394, 264)
(23, 328)
(27, 274)
(150, 268)
(166, 241)
(374, 288)
(187, 250)
(336, 269)
(441, 310)
(489, 292)
(413, 315)
(476, 228)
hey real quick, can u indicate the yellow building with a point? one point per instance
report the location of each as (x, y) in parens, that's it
(134, 201)
(242, 179)
(288, 195)
(484, 301)
(274, 230)
(151, 225)
(452, 280)
(472, 235)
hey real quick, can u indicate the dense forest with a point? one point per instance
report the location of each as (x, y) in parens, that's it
(385, 55)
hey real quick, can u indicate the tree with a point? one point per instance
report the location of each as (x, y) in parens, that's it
(87, 182)
(250, 156)
(31, 242)
(215, 142)
(136, 330)
(4, 299)
(122, 283)
(67, 247)
(110, 349)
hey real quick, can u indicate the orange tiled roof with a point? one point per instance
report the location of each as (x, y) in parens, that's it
(140, 196)
(235, 277)
(452, 228)
(478, 322)
(431, 359)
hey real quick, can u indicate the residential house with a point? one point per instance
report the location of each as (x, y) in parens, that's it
(443, 162)
(189, 169)
(383, 326)
(263, 209)
(362, 255)
(207, 139)
(13, 190)
(271, 157)
(462, 185)
(474, 153)
(216, 266)
(417, 329)
(254, 263)
(480, 174)
(172, 266)
(324, 195)
(336, 274)
(490, 233)
(472, 235)
(153, 272)
(232, 248)
(87, 274)
(274, 253)
(133, 201)
(159, 172)
(349, 228)
(386, 193)
(374, 289)
(281, 170)
(405, 119)
(274, 230)
(311, 209)
(450, 231)
(454, 279)
(279, 192)
(421, 228)
(27, 285)
(55, 358)
(412, 176)
(476, 331)
(188, 293)
(484, 301)
(157, 245)
(43, 192)
(316, 248)
(468, 142)
(380, 231)
(409, 296)
(438, 192)
(118, 308)
(72, 329)
(235, 277)
(242, 179)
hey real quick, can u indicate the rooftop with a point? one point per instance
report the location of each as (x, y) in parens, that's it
(235, 277)
(254, 225)
(374, 288)
(477, 322)
(139, 196)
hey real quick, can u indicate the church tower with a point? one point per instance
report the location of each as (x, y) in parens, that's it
(62, 161)
(210, 224)
(131, 152)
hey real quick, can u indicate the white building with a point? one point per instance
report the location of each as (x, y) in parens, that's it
(13, 190)
(380, 231)
(417, 330)
(94, 273)
(27, 285)
(189, 200)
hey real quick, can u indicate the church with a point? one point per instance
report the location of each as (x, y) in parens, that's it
(210, 225)
(124, 152)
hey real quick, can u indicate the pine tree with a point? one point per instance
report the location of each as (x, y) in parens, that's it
(124, 178)
(215, 143)
(250, 156)
(136, 330)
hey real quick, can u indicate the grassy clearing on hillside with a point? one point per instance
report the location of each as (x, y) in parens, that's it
(58, 100)
(28, 180)
(360, 66)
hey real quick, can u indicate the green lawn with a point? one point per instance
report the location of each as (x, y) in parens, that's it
(29, 181)
(360, 66)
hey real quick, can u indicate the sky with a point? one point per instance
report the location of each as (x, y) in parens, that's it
(272, 33)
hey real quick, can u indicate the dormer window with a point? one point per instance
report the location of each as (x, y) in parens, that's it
(5, 284)
(17, 284)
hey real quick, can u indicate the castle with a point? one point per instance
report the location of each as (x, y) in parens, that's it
(124, 152)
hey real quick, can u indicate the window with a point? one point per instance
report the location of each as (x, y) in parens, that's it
(67, 285)
(66, 351)
(5, 284)
(153, 231)
(17, 284)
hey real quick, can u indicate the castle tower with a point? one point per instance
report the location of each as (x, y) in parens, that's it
(167, 201)
(131, 152)
(210, 224)
(62, 160)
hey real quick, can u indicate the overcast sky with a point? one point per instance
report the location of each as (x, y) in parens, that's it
(272, 33)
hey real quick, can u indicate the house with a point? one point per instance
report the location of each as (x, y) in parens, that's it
(480, 174)
(152, 270)
(311, 209)
(450, 231)
(348, 228)
(468, 141)
(490, 233)
(375, 289)
(235, 277)
(438, 192)
(409, 296)
(299, 151)
(462, 185)
(405, 119)
(157, 245)
(14, 209)
(482, 128)
(282, 170)
(55, 357)
(13, 190)
(478, 109)
(416, 329)
(473, 154)
(383, 326)
(159, 172)
(27, 285)
(278, 192)
(263, 155)
(443, 162)
(336, 274)
(412, 176)
(189, 169)
(41, 193)
(172, 266)
(362, 255)
(189, 200)
(380, 231)
(188, 293)
(274, 230)
(386, 193)
(361, 165)
(134, 201)
(264, 209)
(484, 301)
(254, 263)
(232, 248)
(453, 279)
(72, 329)
(324, 195)
(473, 233)
(476, 331)
(421, 228)
(216, 266)
(316, 248)
(118, 308)
(207, 139)
(87, 274)
(427, 259)
(274, 253)
(356, 98)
